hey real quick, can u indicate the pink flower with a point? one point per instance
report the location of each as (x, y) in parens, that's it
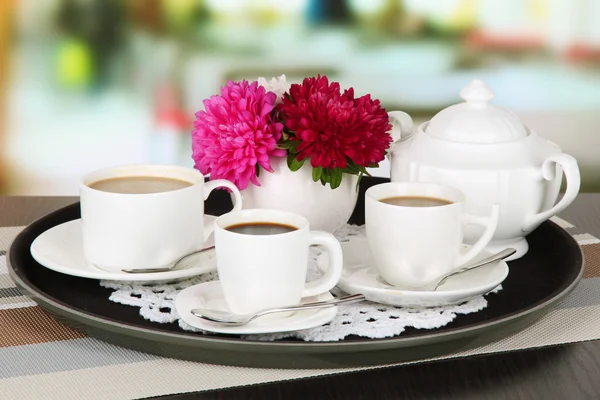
(236, 134)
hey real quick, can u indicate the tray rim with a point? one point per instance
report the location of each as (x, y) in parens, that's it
(292, 347)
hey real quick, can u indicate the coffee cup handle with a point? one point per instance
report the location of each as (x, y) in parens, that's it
(333, 273)
(212, 185)
(489, 223)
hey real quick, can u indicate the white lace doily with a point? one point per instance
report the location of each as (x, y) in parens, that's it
(366, 319)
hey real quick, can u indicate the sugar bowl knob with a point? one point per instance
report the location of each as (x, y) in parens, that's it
(477, 93)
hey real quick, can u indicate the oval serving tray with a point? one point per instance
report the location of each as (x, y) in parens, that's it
(550, 270)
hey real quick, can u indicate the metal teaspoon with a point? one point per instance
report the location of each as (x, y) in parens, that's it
(231, 319)
(501, 255)
(164, 269)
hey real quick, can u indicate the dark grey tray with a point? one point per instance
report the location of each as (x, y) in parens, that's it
(550, 270)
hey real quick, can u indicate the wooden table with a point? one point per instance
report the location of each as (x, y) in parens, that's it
(561, 372)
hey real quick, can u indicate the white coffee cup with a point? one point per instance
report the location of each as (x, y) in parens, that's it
(263, 271)
(412, 246)
(151, 230)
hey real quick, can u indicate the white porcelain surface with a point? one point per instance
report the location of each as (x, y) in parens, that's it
(210, 295)
(360, 276)
(295, 191)
(60, 249)
(153, 230)
(523, 176)
(413, 246)
(265, 271)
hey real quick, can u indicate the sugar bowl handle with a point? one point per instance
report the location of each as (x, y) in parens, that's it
(571, 171)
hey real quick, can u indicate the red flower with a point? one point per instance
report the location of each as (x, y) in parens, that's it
(333, 127)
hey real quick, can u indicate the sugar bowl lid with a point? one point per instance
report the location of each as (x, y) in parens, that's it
(476, 120)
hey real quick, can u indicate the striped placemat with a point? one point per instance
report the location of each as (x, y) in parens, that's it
(41, 358)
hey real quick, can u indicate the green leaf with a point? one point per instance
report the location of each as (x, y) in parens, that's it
(325, 176)
(293, 163)
(290, 145)
(364, 171)
(336, 178)
(257, 166)
(316, 173)
(351, 169)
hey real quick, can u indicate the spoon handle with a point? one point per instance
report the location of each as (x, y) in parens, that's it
(165, 269)
(488, 260)
(318, 304)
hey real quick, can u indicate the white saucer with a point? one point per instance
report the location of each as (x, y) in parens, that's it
(210, 295)
(360, 276)
(60, 249)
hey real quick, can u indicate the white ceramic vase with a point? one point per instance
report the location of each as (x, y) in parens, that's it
(326, 209)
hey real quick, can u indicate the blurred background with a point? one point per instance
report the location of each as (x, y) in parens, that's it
(91, 83)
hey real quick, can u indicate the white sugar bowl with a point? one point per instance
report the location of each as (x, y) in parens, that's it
(486, 152)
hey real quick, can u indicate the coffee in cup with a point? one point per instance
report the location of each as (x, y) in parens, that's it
(415, 201)
(261, 228)
(139, 184)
